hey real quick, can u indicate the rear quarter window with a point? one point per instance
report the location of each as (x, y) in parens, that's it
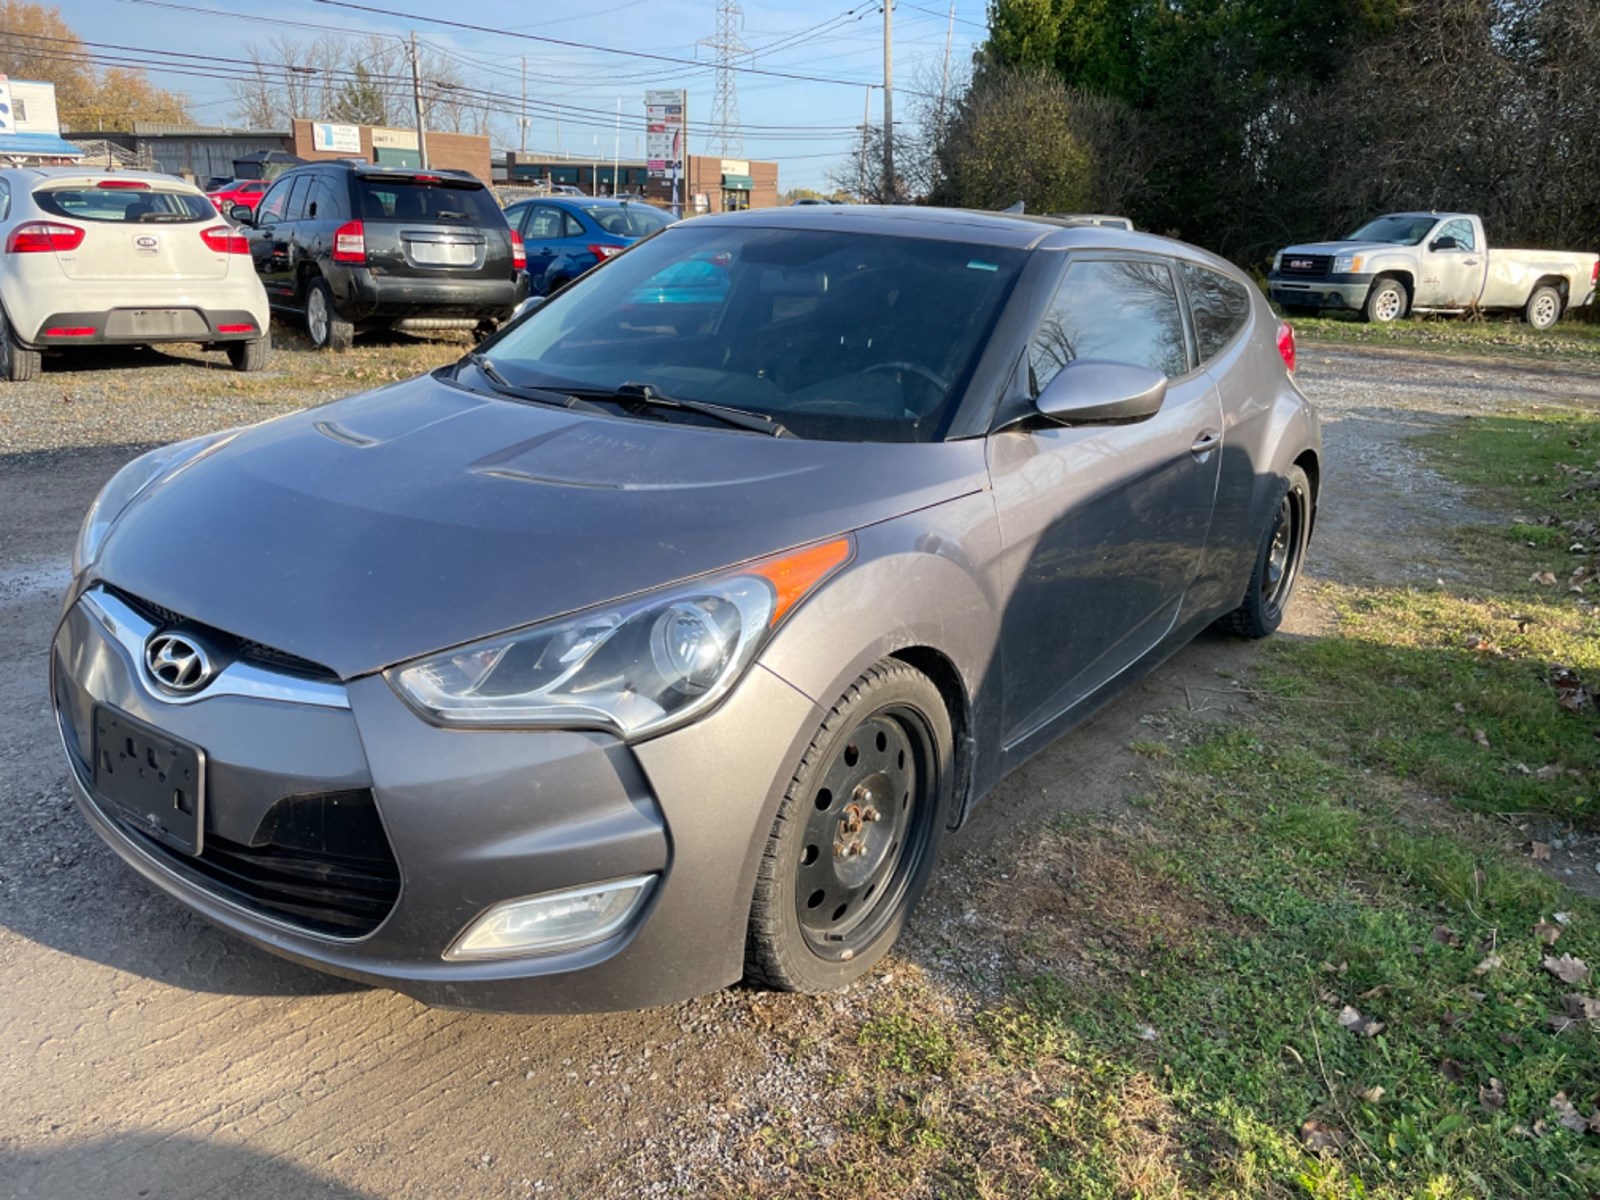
(1220, 306)
(130, 205)
(402, 199)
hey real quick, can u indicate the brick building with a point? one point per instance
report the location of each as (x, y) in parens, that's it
(317, 140)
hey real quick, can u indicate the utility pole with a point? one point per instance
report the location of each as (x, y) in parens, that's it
(866, 126)
(416, 98)
(888, 101)
(522, 117)
(616, 151)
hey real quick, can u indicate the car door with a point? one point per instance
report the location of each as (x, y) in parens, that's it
(1102, 526)
(1453, 267)
(543, 228)
(269, 246)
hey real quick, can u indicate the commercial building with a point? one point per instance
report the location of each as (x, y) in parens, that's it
(313, 140)
(199, 152)
(706, 185)
(29, 130)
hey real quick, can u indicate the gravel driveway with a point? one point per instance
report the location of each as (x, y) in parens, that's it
(147, 1054)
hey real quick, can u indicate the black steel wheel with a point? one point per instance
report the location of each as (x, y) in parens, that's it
(854, 841)
(1278, 559)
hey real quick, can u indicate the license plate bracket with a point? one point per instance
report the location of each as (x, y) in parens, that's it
(156, 781)
(443, 254)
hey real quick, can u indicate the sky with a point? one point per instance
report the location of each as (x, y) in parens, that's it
(805, 126)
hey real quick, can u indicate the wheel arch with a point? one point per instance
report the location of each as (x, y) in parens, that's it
(1401, 276)
(938, 667)
(1561, 283)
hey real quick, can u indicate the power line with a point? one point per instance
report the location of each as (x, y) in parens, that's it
(942, 16)
(729, 45)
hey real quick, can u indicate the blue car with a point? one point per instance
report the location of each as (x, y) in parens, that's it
(566, 235)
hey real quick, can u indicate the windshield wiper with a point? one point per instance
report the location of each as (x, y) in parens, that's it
(643, 395)
(517, 391)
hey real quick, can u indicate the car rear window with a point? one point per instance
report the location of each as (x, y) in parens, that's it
(627, 220)
(134, 205)
(444, 202)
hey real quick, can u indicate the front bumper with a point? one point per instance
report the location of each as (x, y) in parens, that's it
(1331, 291)
(366, 295)
(471, 819)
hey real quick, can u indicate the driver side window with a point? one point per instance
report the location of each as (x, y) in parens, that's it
(1461, 231)
(1123, 311)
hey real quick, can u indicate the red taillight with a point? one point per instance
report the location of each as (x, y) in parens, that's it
(1594, 272)
(224, 240)
(350, 243)
(70, 331)
(43, 237)
(427, 179)
(519, 254)
(605, 252)
(124, 185)
(236, 328)
(1286, 344)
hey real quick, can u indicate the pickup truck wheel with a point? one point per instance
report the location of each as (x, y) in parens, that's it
(1544, 307)
(1283, 546)
(856, 834)
(1386, 302)
(16, 364)
(324, 326)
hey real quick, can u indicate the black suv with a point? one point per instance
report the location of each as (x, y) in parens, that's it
(351, 247)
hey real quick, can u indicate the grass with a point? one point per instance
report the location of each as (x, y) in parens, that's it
(1480, 335)
(1174, 1011)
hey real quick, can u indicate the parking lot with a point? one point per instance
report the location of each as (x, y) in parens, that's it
(148, 1054)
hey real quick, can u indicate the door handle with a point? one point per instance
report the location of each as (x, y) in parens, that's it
(1471, 262)
(1205, 443)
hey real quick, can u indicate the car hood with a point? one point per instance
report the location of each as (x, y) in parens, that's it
(1340, 248)
(402, 521)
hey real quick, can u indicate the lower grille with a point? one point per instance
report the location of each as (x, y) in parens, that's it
(321, 863)
(1305, 266)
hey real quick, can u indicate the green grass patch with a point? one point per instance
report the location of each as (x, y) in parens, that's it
(1498, 335)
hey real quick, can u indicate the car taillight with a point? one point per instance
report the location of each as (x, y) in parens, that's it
(350, 243)
(605, 252)
(125, 185)
(519, 253)
(1286, 344)
(223, 240)
(1594, 272)
(43, 237)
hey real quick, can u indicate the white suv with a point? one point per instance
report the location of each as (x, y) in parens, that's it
(93, 258)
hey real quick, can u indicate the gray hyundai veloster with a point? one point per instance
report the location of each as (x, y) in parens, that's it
(658, 642)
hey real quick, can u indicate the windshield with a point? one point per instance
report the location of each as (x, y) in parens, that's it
(430, 201)
(839, 336)
(627, 220)
(1396, 229)
(135, 203)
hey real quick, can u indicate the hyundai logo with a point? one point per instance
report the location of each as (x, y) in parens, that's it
(176, 663)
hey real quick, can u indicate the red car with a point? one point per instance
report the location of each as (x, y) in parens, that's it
(239, 191)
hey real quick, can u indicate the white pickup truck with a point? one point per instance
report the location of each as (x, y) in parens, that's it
(1430, 262)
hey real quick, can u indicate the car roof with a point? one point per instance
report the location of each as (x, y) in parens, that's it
(86, 173)
(1019, 230)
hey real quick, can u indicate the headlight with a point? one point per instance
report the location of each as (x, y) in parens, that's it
(1346, 264)
(1277, 261)
(127, 484)
(634, 668)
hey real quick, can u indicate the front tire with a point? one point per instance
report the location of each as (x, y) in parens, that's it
(324, 326)
(856, 835)
(1386, 302)
(17, 365)
(252, 355)
(1278, 558)
(1543, 309)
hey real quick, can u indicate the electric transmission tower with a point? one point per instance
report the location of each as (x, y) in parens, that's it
(726, 139)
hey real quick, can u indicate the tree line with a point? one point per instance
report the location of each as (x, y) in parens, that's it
(1246, 125)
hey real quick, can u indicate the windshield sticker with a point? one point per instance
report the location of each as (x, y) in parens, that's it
(975, 265)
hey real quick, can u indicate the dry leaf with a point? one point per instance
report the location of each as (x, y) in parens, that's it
(1582, 1008)
(1567, 1116)
(1546, 932)
(1509, 1039)
(1357, 1024)
(1475, 640)
(1560, 1023)
(1547, 773)
(1446, 936)
(1318, 1136)
(1491, 963)
(1544, 578)
(1562, 918)
(1541, 851)
(1480, 737)
(1493, 1097)
(1373, 1094)
(1567, 969)
(1453, 1071)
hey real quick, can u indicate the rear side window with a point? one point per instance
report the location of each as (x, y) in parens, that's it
(276, 202)
(627, 220)
(121, 204)
(1122, 311)
(1221, 307)
(298, 197)
(402, 199)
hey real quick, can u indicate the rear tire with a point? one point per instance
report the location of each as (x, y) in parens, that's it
(856, 835)
(252, 355)
(1278, 559)
(324, 326)
(1543, 309)
(1387, 302)
(17, 365)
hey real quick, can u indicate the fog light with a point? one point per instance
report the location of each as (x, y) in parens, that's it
(553, 921)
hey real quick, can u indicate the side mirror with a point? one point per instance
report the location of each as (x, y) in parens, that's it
(1445, 243)
(1090, 391)
(243, 214)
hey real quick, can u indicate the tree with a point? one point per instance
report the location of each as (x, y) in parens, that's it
(40, 45)
(360, 100)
